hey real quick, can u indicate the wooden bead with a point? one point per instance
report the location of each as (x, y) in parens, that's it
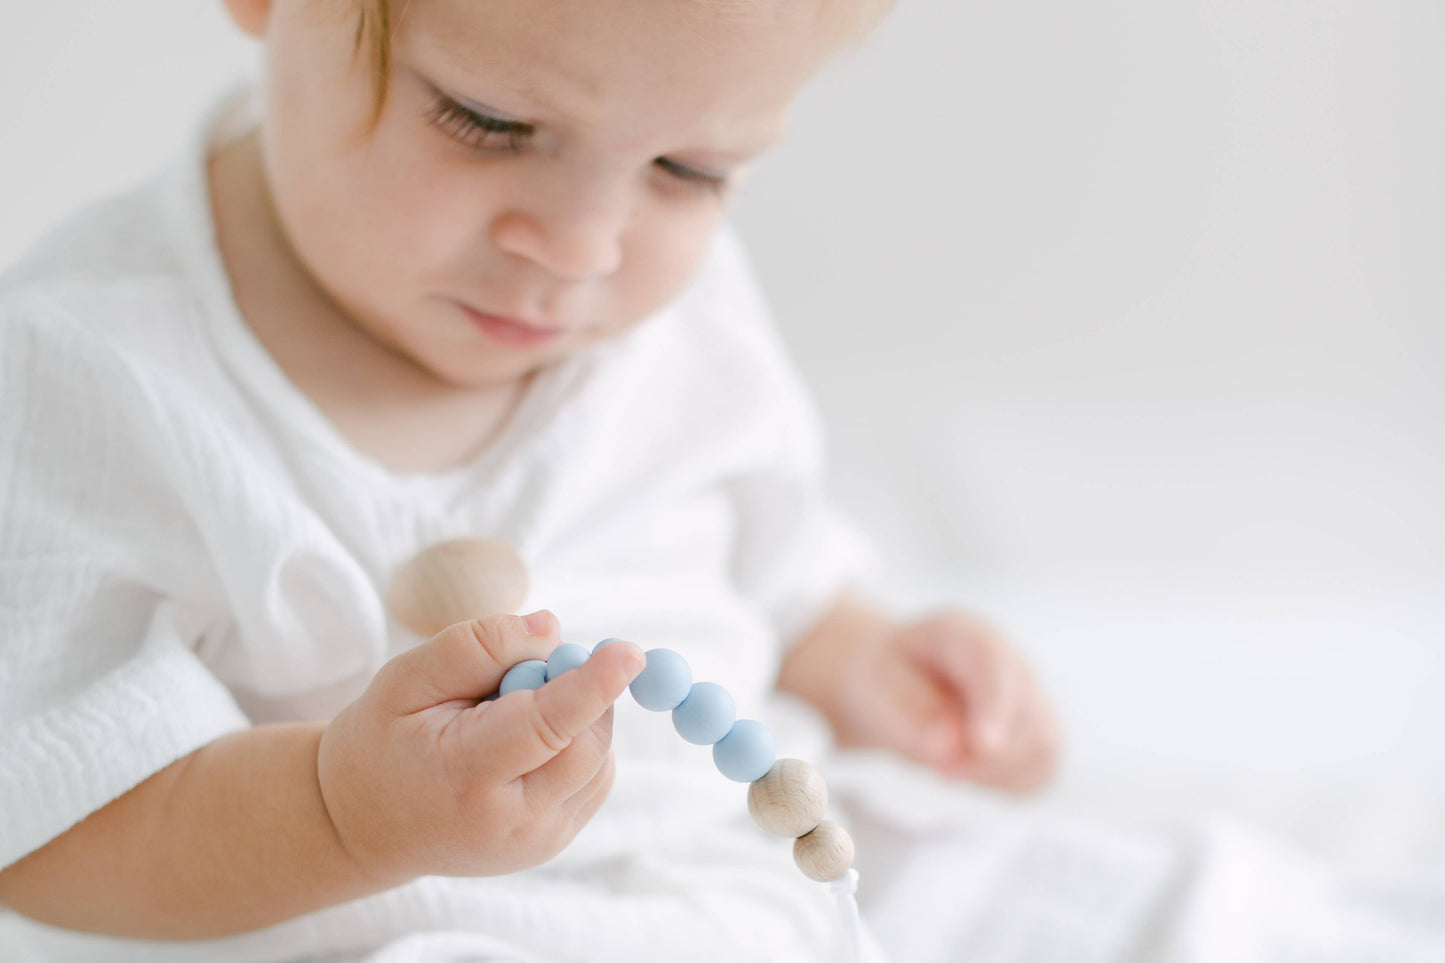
(826, 853)
(790, 799)
(457, 581)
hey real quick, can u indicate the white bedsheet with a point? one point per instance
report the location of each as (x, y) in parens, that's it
(1175, 873)
(958, 877)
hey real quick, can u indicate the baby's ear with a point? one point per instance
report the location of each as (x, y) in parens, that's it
(250, 15)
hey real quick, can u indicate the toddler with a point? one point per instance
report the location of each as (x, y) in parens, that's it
(455, 269)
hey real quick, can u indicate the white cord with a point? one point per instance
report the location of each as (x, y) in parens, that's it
(844, 887)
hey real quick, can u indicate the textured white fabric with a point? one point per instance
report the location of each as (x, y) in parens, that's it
(188, 546)
(963, 878)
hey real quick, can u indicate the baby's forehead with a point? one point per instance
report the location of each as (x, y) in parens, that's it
(733, 63)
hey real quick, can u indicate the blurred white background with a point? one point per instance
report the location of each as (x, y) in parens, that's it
(1126, 322)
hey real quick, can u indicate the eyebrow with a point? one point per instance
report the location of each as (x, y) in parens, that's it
(740, 155)
(751, 151)
(466, 63)
(480, 107)
(541, 104)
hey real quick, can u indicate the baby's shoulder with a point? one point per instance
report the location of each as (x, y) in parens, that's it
(114, 355)
(108, 280)
(721, 327)
(726, 326)
(99, 355)
(710, 377)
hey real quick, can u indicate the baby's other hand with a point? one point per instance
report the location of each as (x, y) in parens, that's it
(952, 693)
(420, 777)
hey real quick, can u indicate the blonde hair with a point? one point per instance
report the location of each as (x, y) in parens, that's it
(374, 26)
(373, 31)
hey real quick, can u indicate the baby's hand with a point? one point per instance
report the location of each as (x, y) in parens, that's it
(954, 694)
(420, 778)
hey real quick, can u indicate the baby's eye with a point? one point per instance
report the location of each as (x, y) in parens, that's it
(478, 130)
(691, 176)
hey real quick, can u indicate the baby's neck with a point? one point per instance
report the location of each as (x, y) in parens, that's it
(384, 404)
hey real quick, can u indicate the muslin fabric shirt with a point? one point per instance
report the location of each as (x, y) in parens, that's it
(189, 547)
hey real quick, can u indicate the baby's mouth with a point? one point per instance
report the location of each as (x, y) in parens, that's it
(511, 333)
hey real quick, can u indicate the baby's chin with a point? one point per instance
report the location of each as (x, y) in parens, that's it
(489, 367)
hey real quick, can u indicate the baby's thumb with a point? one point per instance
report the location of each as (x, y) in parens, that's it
(524, 730)
(465, 661)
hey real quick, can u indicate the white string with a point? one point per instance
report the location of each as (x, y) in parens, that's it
(843, 888)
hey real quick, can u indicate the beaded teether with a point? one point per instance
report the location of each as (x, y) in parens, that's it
(787, 797)
(470, 578)
(456, 581)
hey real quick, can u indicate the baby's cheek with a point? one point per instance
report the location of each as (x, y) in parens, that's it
(660, 259)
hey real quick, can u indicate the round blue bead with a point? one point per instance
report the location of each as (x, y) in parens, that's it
(604, 642)
(746, 753)
(565, 656)
(664, 682)
(524, 675)
(706, 715)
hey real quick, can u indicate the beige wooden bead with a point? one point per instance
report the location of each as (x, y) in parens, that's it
(789, 800)
(456, 581)
(826, 853)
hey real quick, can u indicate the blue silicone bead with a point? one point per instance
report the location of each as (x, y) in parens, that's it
(706, 715)
(604, 642)
(524, 675)
(565, 656)
(664, 682)
(746, 753)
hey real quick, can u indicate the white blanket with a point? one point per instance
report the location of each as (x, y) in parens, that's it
(948, 876)
(960, 878)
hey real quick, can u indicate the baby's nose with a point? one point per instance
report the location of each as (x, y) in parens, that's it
(570, 245)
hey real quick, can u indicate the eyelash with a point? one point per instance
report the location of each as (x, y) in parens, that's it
(478, 130)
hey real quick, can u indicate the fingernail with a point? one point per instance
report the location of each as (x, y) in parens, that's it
(538, 623)
(636, 662)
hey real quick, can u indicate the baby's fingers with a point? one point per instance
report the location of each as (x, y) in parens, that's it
(1026, 760)
(465, 661)
(918, 720)
(572, 773)
(986, 674)
(524, 730)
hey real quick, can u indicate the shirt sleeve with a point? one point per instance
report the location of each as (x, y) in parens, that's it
(100, 682)
(796, 551)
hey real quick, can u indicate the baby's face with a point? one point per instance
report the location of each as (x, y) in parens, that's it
(545, 173)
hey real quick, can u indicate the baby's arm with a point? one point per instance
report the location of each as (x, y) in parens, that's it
(233, 837)
(413, 778)
(948, 691)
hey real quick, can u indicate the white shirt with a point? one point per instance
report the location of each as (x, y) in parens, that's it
(188, 547)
